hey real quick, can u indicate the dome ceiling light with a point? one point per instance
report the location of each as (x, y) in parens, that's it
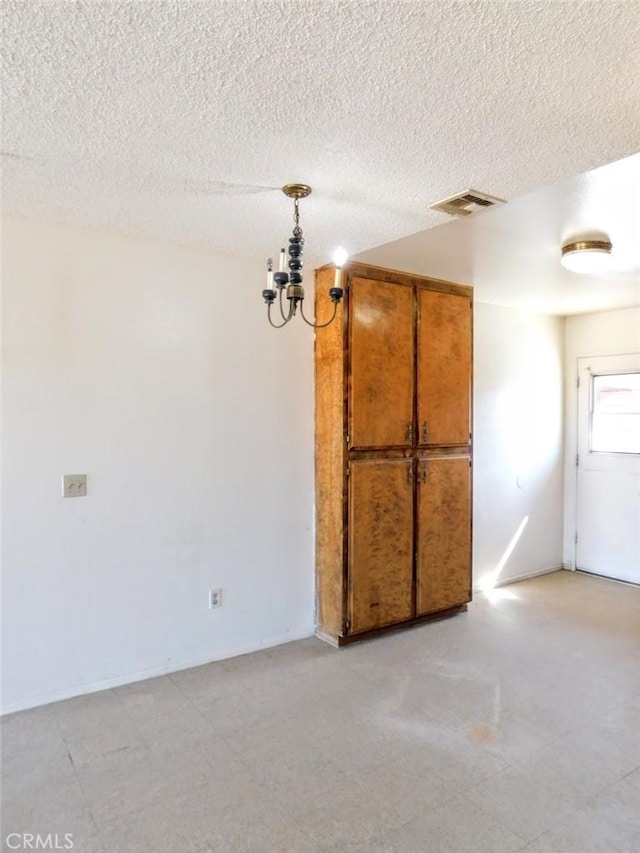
(587, 256)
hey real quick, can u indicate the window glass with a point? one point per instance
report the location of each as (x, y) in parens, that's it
(615, 413)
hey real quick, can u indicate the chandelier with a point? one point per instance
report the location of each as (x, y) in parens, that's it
(278, 281)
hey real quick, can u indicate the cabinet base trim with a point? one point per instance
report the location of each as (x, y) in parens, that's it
(338, 642)
(327, 638)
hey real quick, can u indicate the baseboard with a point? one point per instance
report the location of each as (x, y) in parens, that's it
(153, 672)
(607, 578)
(523, 577)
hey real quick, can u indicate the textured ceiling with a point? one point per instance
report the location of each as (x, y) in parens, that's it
(179, 120)
(511, 253)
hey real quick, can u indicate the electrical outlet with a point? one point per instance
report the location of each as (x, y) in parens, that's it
(74, 485)
(215, 598)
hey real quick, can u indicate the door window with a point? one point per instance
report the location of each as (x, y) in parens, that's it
(615, 413)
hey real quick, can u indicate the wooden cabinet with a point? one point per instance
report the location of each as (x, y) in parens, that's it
(443, 533)
(380, 402)
(443, 368)
(393, 452)
(380, 542)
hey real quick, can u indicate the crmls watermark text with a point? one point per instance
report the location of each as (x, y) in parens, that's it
(36, 841)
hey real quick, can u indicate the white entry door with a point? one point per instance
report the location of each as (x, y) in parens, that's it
(608, 469)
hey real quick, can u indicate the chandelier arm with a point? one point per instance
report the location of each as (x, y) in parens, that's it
(319, 325)
(282, 314)
(276, 325)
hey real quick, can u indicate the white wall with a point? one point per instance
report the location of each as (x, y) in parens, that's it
(152, 369)
(603, 333)
(518, 452)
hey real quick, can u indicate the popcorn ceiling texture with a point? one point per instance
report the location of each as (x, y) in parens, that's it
(176, 120)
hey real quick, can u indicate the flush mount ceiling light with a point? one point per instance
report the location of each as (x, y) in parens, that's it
(587, 256)
(292, 280)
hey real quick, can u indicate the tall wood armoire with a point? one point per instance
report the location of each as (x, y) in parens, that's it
(393, 451)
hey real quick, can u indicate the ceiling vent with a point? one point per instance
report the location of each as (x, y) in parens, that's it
(466, 203)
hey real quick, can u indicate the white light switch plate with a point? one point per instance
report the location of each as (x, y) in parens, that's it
(74, 485)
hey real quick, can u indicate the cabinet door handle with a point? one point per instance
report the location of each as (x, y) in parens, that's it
(410, 474)
(424, 432)
(410, 433)
(423, 472)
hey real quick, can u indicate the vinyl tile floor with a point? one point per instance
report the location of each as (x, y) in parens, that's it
(512, 727)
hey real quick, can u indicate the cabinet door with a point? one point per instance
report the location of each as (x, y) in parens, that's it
(444, 533)
(381, 362)
(380, 542)
(444, 368)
